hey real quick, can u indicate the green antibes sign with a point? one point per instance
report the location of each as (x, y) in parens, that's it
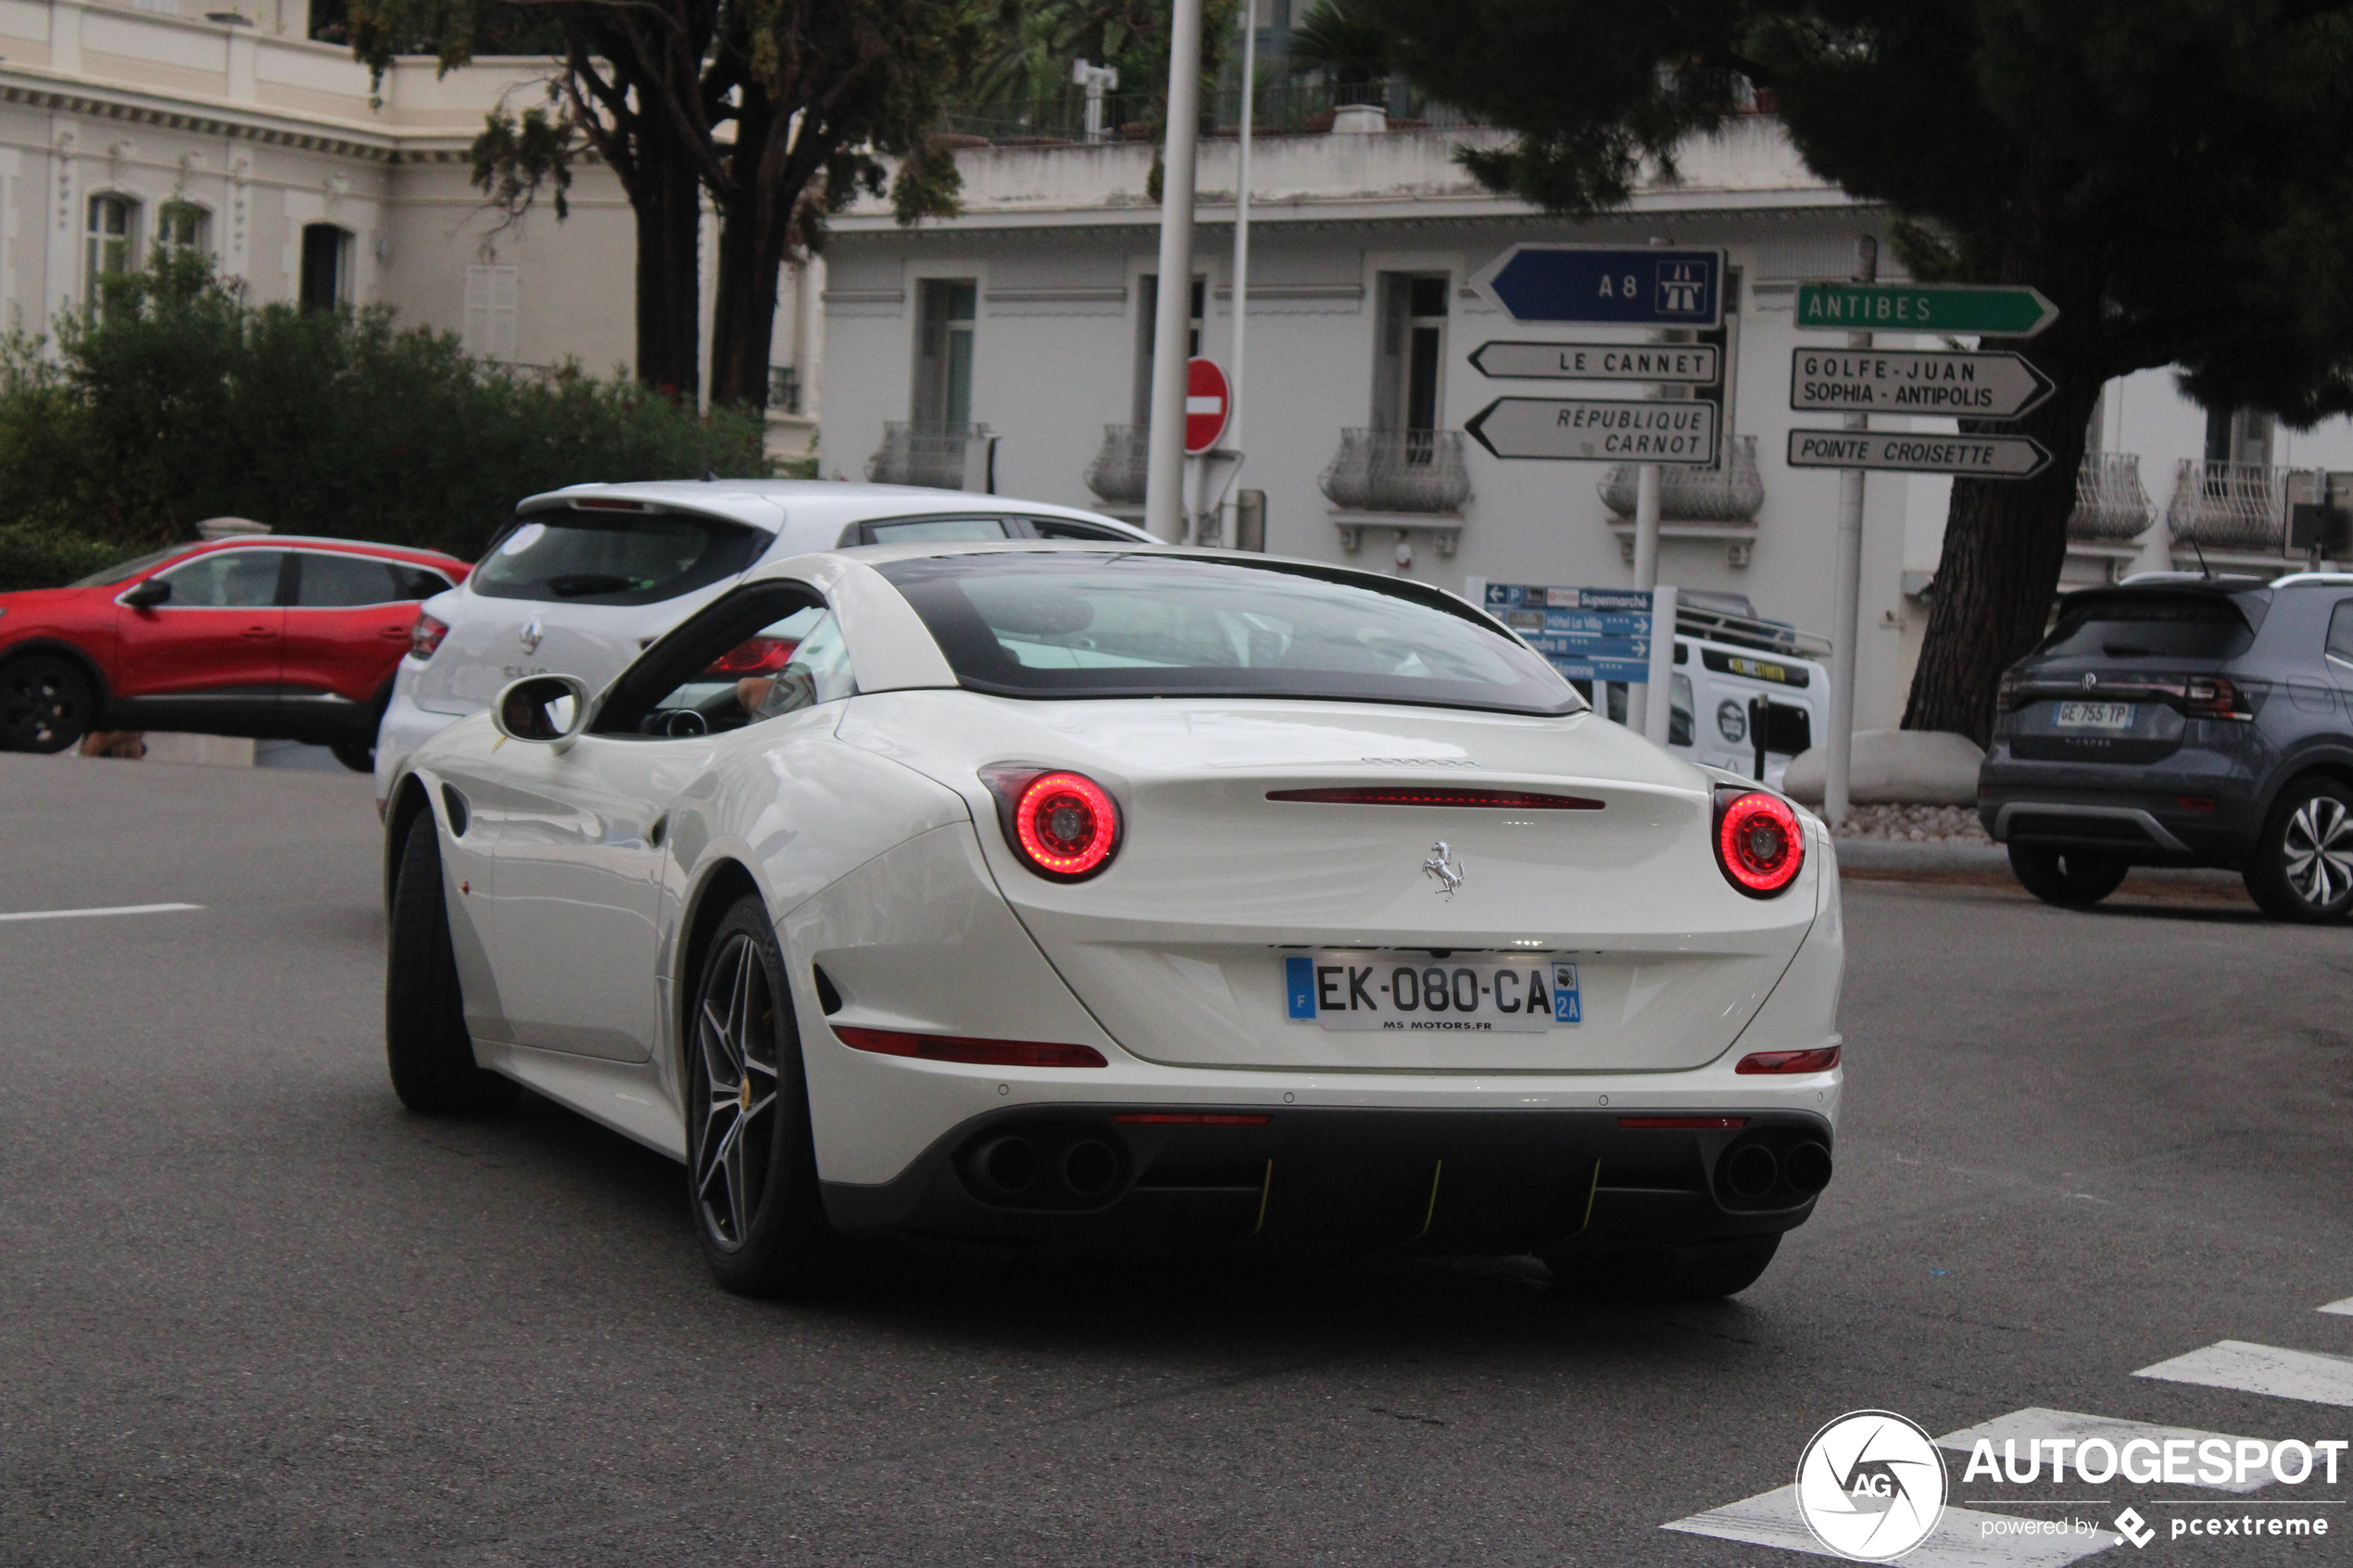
(1924, 308)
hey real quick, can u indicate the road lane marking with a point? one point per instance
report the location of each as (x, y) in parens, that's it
(2262, 1369)
(1959, 1540)
(2341, 1309)
(2034, 1421)
(115, 909)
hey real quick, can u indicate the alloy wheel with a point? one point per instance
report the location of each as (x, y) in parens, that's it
(736, 1032)
(42, 703)
(2318, 848)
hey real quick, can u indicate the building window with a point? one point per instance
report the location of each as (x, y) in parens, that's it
(184, 226)
(1409, 379)
(2239, 435)
(113, 240)
(1146, 317)
(326, 267)
(944, 352)
(490, 313)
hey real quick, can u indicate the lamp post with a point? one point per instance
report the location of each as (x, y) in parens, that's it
(1164, 455)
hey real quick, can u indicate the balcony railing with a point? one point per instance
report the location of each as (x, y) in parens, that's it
(1398, 471)
(2229, 505)
(2111, 506)
(936, 455)
(1116, 476)
(1730, 492)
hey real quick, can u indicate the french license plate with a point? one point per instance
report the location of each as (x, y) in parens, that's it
(1414, 992)
(2095, 715)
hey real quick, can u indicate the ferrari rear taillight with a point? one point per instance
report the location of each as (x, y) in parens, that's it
(1758, 841)
(965, 1049)
(1063, 826)
(425, 635)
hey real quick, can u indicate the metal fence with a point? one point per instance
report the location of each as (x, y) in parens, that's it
(1732, 491)
(2111, 506)
(1116, 476)
(1398, 471)
(2229, 505)
(922, 454)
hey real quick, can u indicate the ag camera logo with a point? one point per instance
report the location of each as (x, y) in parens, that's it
(1870, 1486)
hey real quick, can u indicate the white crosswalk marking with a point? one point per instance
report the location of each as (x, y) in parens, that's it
(2262, 1369)
(1963, 1539)
(2342, 1308)
(2021, 1427)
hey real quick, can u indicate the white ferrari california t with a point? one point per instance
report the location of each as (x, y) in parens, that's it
(1127, 898)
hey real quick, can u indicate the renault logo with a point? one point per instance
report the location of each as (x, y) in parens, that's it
(530, 634)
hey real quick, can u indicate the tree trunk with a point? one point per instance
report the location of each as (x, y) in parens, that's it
(667, 200)
(2006, 540)
(743, 324)
(754, 228)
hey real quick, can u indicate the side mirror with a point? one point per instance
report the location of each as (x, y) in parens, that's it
(148, 594)
(549, 708)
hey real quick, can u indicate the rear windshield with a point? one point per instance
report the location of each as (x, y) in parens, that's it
(2157, 626)
(613, 558)
(1074, 624)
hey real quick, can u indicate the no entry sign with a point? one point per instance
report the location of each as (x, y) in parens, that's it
(1208, 402)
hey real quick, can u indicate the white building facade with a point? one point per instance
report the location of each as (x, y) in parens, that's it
(219, 124)
(1023, 328)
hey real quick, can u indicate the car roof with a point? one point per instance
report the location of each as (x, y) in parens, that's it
(766, 504)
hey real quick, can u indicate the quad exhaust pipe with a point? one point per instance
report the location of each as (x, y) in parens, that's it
(1754, 1172)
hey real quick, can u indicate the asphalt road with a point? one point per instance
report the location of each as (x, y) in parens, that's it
(253, 1313)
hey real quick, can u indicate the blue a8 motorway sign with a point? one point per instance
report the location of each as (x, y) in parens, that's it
(1607, 286)
(1586, 633)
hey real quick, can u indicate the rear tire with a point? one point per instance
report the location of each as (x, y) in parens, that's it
(2301, 866)
(47, 702)
(751, 1166)
(1702, 1273)
(359, 756)
(426, 1047)
(2073, 879)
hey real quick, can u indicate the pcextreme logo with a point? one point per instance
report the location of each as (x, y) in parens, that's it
(1870, 1486)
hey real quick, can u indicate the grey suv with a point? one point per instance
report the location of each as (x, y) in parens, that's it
(2183, 721)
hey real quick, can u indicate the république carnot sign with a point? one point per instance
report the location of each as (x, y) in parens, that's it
(1596, 430)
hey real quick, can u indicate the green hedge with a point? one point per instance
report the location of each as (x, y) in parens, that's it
(179, 400)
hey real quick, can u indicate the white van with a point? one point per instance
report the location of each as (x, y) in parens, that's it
(1747, 693)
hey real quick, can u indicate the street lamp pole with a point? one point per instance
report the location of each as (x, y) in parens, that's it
(1164, 457)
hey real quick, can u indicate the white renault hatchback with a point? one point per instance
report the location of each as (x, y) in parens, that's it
(583, 578)
(1065, 895)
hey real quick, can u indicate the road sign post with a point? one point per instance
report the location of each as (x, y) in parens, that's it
(1586, 633)
(1609, 430)
(1960, 384)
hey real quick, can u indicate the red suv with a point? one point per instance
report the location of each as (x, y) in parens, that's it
(276, 638)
